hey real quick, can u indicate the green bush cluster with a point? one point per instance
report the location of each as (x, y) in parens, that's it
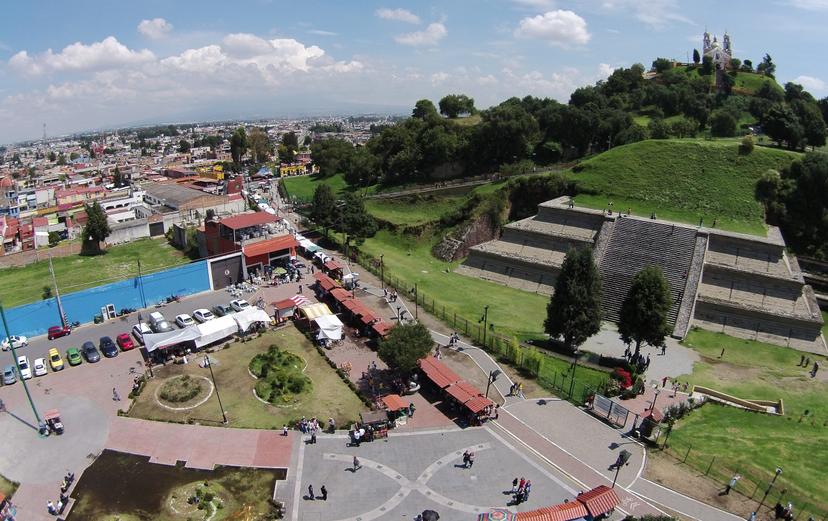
(279, 374)
(180, 389)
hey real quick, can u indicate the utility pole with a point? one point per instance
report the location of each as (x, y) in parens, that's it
(40, 424)
(57, 293)
(213, 377)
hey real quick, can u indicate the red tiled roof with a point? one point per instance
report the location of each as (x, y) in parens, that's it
(248, 219)
(332, 265)
(270, 246)
(432, 367)
(469, 388)
(382, 328)
(325, 282)
(40, 221)
(394, 402)
(458, 393)
(478, 403)
(341, 295)
(599, 500)
(561, 512)
(284, 304)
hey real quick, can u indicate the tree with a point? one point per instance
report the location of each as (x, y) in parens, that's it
(782, 125)
(184, 146)
(363, 168)
(54, 238)
(767, 67)
(357, 223)
(331, 155)
(323, 208)
(259, 145)
(238, 145)
(810, 117)
(574, 311)
(722, 123)
(52, 156)
(662, 64)
(424, 109)
(96, 230)
(747, 66)
(805, 224)
(735, 64)
(643, 315)
(696, 56)
(454, 105)
(405, 346)
(707, 66)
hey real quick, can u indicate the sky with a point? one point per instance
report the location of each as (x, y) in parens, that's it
(94, 64)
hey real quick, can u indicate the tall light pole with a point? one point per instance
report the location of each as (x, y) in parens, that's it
(493, 374)
(657, 392)
(40, 425)
(213, 377)
(574, 366)
(485, 320)
(776, 474)
(382, 271)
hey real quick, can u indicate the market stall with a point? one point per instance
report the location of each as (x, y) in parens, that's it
(599, 501)
(397, 408)
(375, 422)
(250, 316)
(286, 309)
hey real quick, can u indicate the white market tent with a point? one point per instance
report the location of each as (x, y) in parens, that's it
(153, 341)
(215, 330)
(330, 327)
(250, 315)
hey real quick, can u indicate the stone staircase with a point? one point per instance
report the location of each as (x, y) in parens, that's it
(636, 244)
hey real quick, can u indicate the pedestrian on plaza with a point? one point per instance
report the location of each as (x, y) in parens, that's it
(285, 430)
(324, 492)
(115, 395)
(663, 382)
(411, 409)
(300, 289)
(60, 506)
(814, 370)
(526, 489)
(471, 459)
(732, 483)
(310, 493)
(752, 516)
(466, 459)
(675, 389)
(331, 425)
(357, 464)
(520, 390)
(313, 438)
(647, 362)
(521, 484)
(511, 389)
(663, 349)
(514, 486)
(50, 507)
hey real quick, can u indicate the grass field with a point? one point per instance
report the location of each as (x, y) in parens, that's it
(25, 284)
(329, 396)
(749, 83)
(682, 180)
(302, 187)
(755, 444)
(7, 487)
(411, 211)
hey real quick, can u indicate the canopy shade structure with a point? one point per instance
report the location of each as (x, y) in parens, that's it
(248, 316)
(381, 328)
(394, 402)
(325, 282)
(341, 295)
(600, 500)
(330, 327)
(478, 403)
(438, 372)
(153, 341)
(312, 311)
(216, 329)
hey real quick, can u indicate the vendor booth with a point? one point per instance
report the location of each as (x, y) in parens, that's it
(329, 329)
(381, 328)
(324, 283)
(251, 317)
(286, 309)
(333, 269)
(216, 330)
(375, 422)
(397, 409)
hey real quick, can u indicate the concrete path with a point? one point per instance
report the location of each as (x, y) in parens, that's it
(685, 506)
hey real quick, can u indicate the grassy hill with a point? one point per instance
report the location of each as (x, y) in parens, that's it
(302, 187)
(681, 180)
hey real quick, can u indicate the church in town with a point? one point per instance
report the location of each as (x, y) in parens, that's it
(720, 53)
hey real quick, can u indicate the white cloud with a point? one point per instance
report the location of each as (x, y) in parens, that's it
(655, 13)
(439, 77)
(431, 35)
(560, 27)
(108, 53)
(398, 15)
(810, 83)
(320, 32)
(810, 5)
(155, 29)
(536, 4)
(605, 70)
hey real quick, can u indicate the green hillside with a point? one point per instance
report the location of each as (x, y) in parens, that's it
(681, 180)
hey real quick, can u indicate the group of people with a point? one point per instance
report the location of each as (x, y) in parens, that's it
(516, 389)
(453, 339)
(63, 499)
(390, 296)
(805, 361)
(641, 362)
(468, 459)
(323, 491)
(520, 490)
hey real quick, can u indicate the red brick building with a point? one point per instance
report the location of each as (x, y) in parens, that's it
(254, 234)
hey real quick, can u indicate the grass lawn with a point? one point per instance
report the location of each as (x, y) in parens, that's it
(468, 121)
(302, 187)
(412, 211)
(755, 444)
(749, 82)
(329, 396)
(410, 260)
(126, 487)
(825, 324)
(7, 487)
(74, 273)
(682, 180)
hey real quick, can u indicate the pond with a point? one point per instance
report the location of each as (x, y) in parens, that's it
(129, 488)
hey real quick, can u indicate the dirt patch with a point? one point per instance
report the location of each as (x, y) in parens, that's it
(727, 372)
(465, 366)
(672, 474)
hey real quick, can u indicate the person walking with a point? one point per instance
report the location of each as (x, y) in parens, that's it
(664, 382)
(466, 459)
(514, 486)
(285, 430)
(801, 361)
(115, 396)
(313, 438)
(357, 464)
(814, 370)
(732, 483)
(471, 459)
(324, 492)
(521, 484)
(526, 489)
(411, 409)
(311, 496)
(50, 507)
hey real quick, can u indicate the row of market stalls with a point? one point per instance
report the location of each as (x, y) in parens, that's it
(465, 395)
(358, 314)
(324, 322)
(210, 332)
(592, 505)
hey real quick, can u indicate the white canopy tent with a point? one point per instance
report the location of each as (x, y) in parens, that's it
(153, 341)
(250, 315)
(216, 329)
(330, 327)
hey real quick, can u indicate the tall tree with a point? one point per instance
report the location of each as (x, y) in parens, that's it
(574, 311)
(783, 126)
(238, 145)
(331, 156)
(722, 123)
(184, 146)
(696, 56)
(288, 147)
(643, 316)
(454, 105)
(259, 144)
(118, 178)
(424, 109)
(357, 223)
(323, 209)
(767, 67)
(96, 230)
(405, 346)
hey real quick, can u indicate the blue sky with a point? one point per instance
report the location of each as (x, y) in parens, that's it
(86, 64)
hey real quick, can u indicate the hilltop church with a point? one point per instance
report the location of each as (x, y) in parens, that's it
(720, 53)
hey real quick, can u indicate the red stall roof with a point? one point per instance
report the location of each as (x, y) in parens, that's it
(270, 246)
(341, 295)
(394, 402)
(478, 403)
(382, 328)
(431, 367)
(459, 394)
(248, 219)
(599, 500)
(469, 388)
(325, 282)
(284, 304)
(562, 512)
(332, 265)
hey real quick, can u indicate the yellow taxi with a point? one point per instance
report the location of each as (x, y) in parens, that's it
(55, 359)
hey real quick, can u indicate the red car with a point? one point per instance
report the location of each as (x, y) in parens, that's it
(124, 342)
(59, 331)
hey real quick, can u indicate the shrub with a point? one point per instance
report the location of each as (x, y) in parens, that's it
(623, 377)
(180, 389)
(747, 144)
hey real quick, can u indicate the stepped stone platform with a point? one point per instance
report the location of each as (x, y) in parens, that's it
(745, 286)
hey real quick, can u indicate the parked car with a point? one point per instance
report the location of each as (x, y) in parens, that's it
(139, 330)
(55, 359)
(239, 304)
(40, 367)
(221, 310)
(9, 375)
(73, 356)
(90, 353)
(108, 347)
(158, 323)
(58, 331)
(183, 320)
(203, 315)
(124, 342)
(25, 368)
(14, 341)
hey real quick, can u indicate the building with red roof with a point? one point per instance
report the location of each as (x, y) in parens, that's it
(255, 234)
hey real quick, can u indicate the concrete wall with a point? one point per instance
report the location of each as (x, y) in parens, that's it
(128, 231)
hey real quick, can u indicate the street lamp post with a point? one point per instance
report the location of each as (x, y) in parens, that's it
(574, 367)
(623, 459)
(382, 271)
(40, 425)
(770, 486)
(493, 374)
(213, 377)
(485, 320)
(657, 392)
